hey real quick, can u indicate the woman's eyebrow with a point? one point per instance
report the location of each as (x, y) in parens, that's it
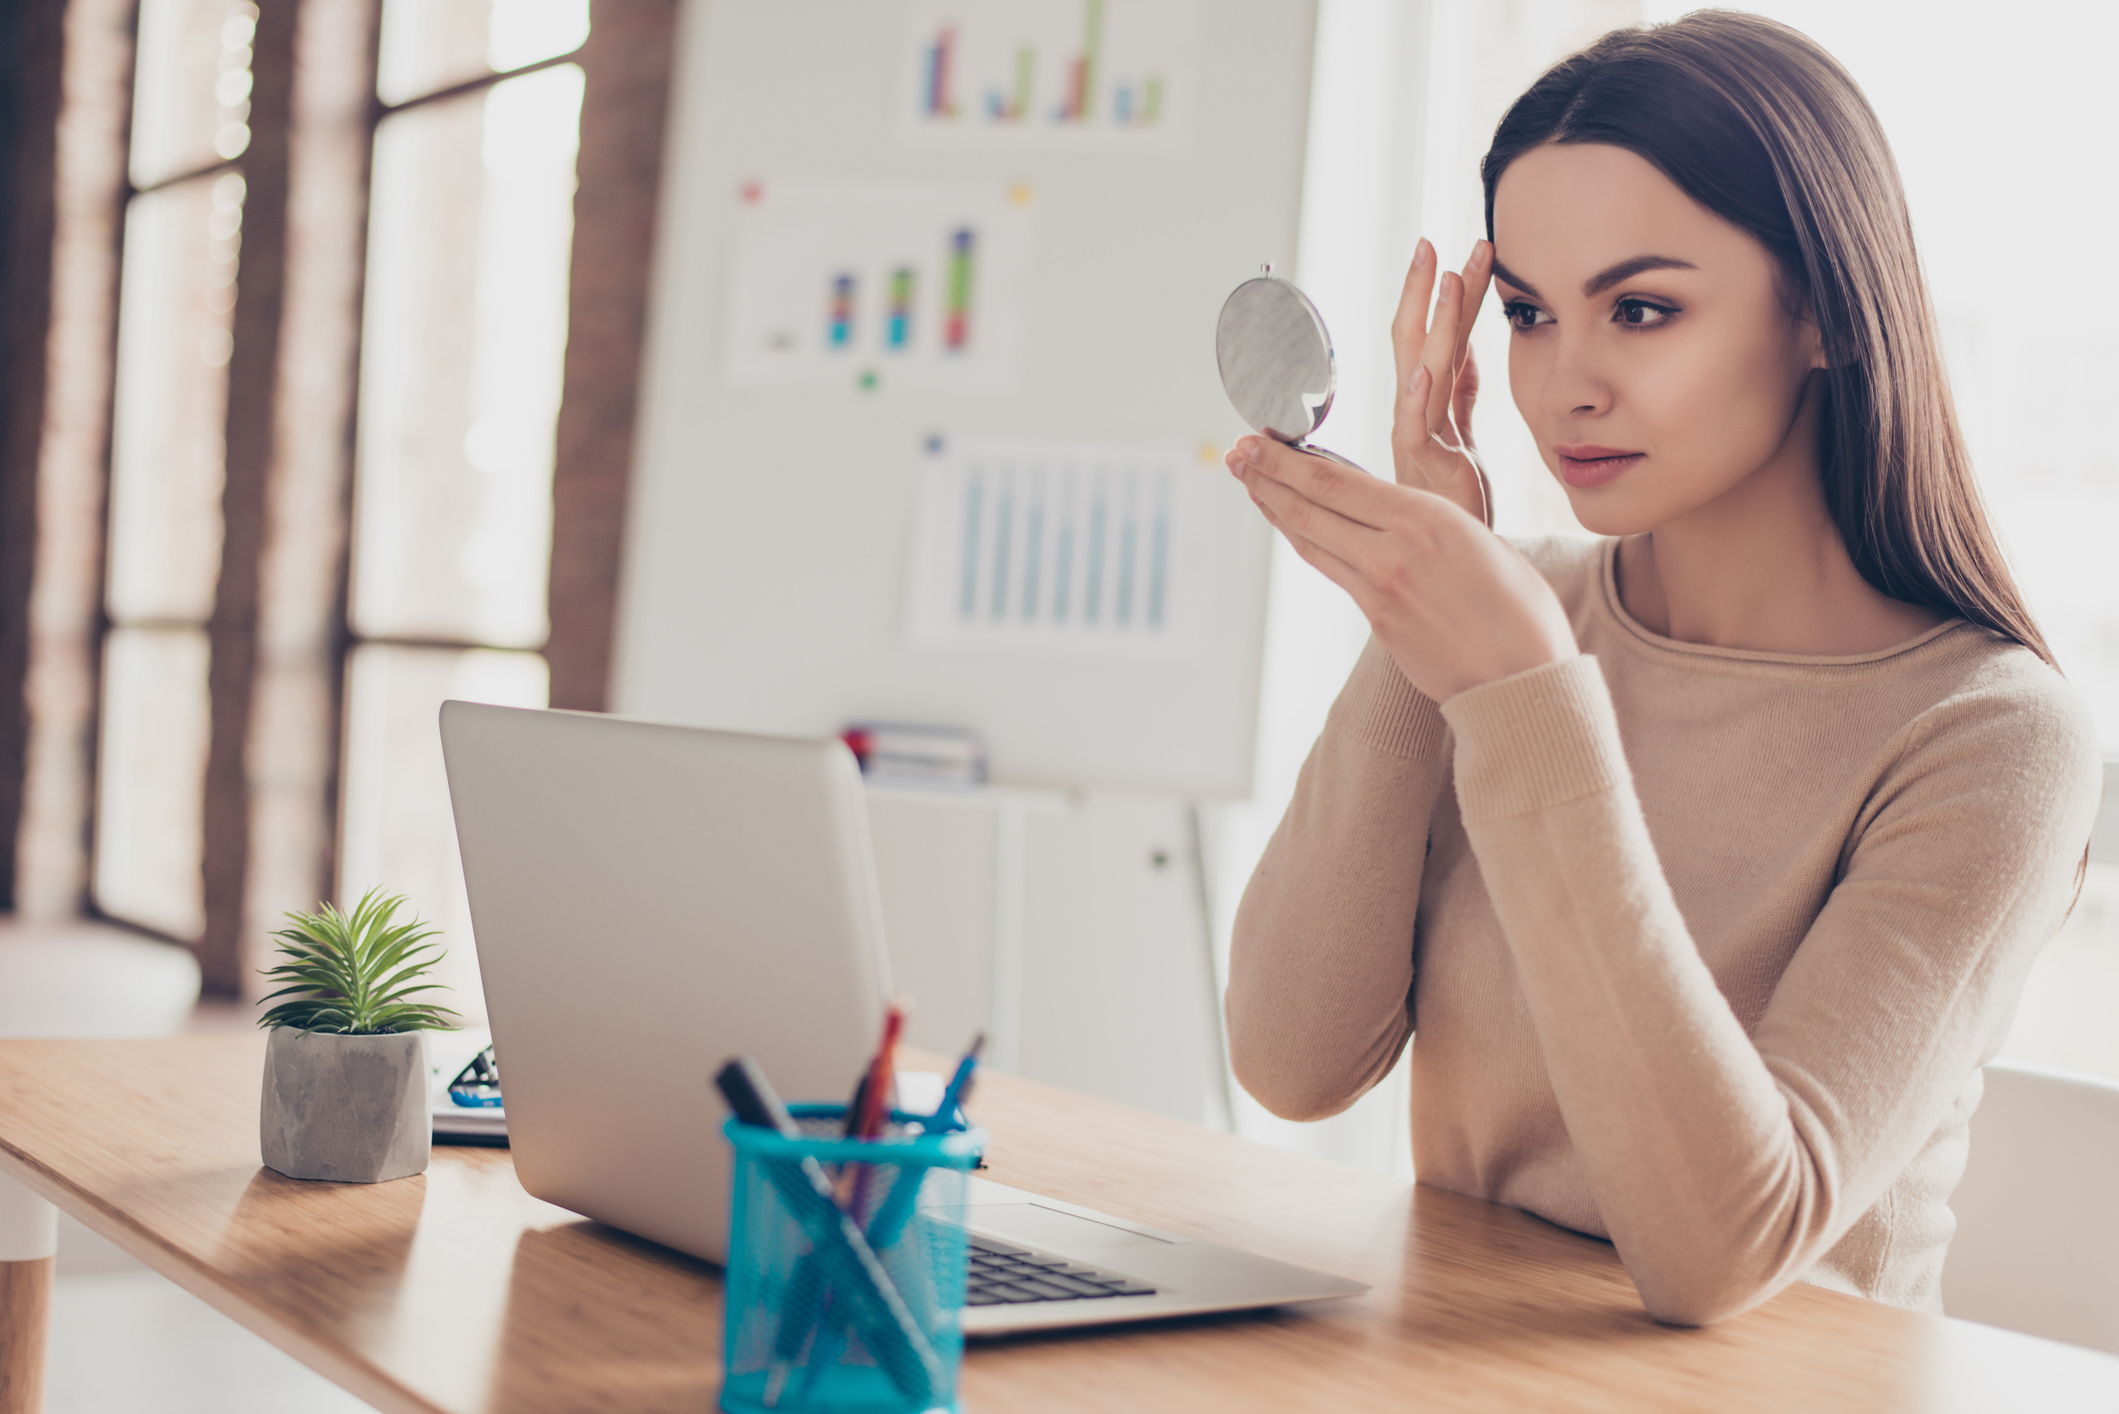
(1597, 284)
(1626, 269)
(1509, 277)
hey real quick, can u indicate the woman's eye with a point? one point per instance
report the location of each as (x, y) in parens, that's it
(1524, 316)
(1640, 313)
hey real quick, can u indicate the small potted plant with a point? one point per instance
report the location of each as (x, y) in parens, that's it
(345, 1071)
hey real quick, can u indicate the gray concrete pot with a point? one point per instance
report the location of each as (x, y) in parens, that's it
(352, 1109)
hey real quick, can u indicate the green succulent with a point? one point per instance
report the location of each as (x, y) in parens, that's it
(352, 972)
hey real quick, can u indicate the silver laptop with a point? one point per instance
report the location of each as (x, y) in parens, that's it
(650, 900)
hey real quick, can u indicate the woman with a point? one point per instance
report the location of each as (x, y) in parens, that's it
(1706, 859)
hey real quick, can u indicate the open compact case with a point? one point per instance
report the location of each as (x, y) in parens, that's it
(1276, 361)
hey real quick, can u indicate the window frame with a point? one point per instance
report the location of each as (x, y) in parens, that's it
(626, 63)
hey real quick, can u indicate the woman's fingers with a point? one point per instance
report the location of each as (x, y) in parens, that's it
(1441, 341)
(1467, 394)
(1350, 495)
(1478, 276)
(1342, 547)
(1409, 434)
(1439, 356)
(1443, 462)
(1291, 510)
(1318, 558)
(1409, 325)
(1478, 497)
(1437, 381)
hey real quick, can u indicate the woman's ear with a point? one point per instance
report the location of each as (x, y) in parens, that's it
(1800, 307)
(1813, 337)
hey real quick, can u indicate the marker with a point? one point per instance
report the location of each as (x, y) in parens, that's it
(956, 304)
(898, 328)
(839, 320)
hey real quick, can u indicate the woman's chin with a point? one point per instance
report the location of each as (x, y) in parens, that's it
(1609, 510)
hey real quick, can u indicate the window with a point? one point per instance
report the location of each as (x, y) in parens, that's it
(462, 359)
(341, 339)
(182, 254)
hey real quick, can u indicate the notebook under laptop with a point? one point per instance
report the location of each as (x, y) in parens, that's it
(650, 900)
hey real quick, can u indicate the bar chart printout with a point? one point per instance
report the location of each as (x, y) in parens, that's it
(1049, 73)
(878, 287)
(1070, 549)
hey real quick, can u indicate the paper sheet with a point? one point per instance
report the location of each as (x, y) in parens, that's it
(999, 74)
(1080, 549)
(878, 287)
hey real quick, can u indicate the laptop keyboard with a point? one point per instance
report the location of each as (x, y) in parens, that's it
(1004, 1274)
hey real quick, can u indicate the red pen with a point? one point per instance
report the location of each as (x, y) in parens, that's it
(882, 1077)
(872, 1102)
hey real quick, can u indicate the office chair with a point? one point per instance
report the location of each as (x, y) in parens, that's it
(2037, 1245)
(2104, 836)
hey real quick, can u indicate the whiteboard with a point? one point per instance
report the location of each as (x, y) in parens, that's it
(933, 335)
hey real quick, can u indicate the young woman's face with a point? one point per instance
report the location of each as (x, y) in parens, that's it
(1651, 352)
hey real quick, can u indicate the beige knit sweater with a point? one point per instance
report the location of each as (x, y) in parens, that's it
(1704, 947)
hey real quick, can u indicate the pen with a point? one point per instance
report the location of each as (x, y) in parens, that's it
(882, 1075)
(875, 1103)
(944, 1116)
(857, 1109)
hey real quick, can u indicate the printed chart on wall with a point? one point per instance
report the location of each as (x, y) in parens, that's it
(878, 287)
(1076, 549)
(1109, 74)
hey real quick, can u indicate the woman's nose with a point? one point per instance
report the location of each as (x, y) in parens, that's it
(1577, 385)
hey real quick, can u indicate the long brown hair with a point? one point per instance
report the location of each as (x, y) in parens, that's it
(1756, 123)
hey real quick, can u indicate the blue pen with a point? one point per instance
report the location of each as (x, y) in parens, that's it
(945, 1115)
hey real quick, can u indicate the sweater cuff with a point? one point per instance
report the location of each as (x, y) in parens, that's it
(1535, 740)
(1384, 712)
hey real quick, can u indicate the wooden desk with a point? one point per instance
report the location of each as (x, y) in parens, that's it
(457, 1291)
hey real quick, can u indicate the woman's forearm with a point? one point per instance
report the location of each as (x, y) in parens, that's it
(1320, 967)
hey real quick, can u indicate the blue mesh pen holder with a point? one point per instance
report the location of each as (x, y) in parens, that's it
(826, 1315)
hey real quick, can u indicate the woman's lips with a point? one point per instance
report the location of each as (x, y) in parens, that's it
(1585, 467)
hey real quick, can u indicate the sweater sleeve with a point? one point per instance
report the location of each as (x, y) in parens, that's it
(1321, 961)
(1725, 1164)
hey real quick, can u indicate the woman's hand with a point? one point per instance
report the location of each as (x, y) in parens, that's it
(1438, 381)
(1454, 604)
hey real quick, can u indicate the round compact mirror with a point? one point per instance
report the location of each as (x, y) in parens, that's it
(1276, 360)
